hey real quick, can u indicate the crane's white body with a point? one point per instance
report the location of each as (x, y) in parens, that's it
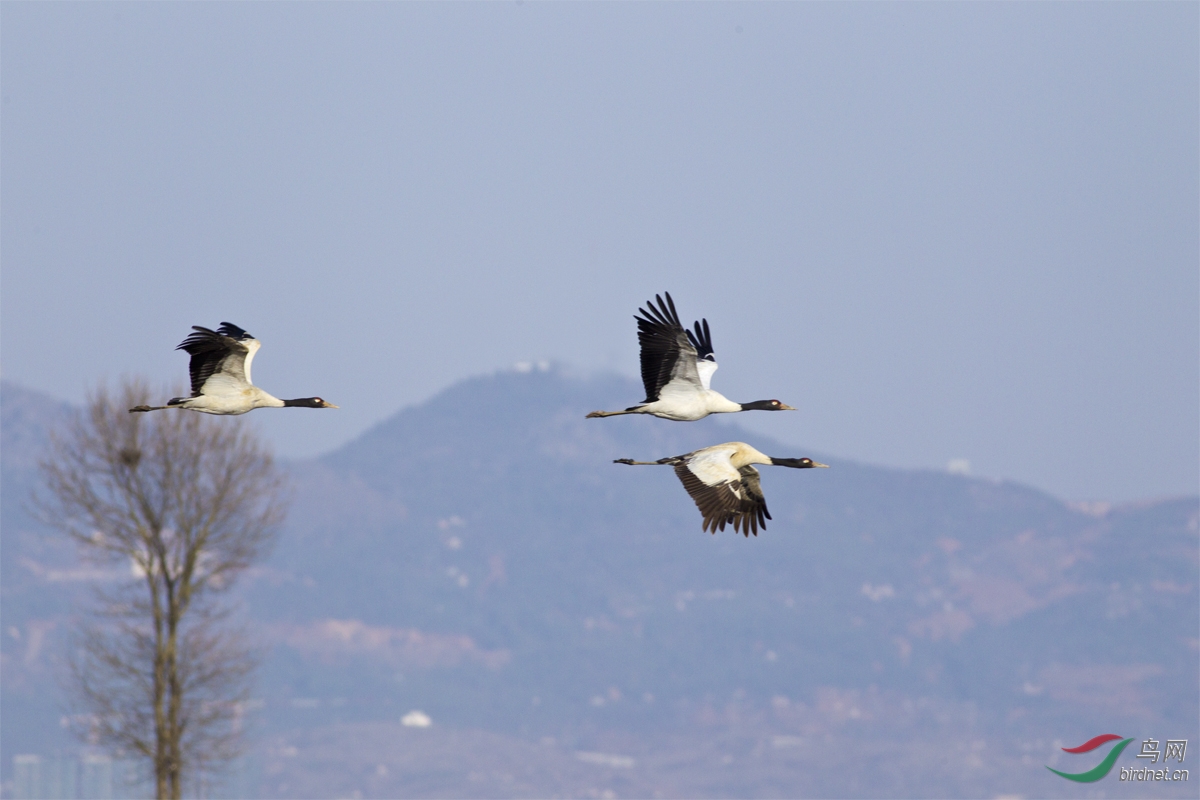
(720, 463)
(230, 403)
(683, 401)
(686, 397)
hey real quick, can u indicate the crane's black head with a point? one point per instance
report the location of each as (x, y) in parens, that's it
(308, 402)
(766, 405)
(798, 463)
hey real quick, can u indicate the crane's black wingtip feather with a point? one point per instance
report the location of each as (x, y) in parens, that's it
(199, 334)
(233, 331)
(674, 313)
(702, 339)
(659, 312)
(671, 303)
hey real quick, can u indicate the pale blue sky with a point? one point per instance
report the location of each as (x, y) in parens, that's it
(941, 231)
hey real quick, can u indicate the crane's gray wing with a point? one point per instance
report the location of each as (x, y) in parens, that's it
(753, 514)
(218, 358)
(723, 499)
(666, 349)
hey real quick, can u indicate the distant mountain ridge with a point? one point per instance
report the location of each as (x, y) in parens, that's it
(598, 586)
(478, 556)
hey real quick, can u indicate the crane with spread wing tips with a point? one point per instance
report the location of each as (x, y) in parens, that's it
(220, 373)
(677, 368)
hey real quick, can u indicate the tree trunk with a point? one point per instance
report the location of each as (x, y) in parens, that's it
(160, 685)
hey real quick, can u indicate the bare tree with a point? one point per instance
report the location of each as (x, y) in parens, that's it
(182, 503)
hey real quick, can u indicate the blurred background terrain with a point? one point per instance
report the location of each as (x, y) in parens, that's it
(567, 629)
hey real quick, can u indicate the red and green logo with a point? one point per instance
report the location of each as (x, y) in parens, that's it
(1101, 769)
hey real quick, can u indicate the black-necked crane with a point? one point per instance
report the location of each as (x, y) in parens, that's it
(677, 367)
(724, 484)
(220, 371)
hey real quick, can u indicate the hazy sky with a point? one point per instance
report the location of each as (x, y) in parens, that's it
(942, 231)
